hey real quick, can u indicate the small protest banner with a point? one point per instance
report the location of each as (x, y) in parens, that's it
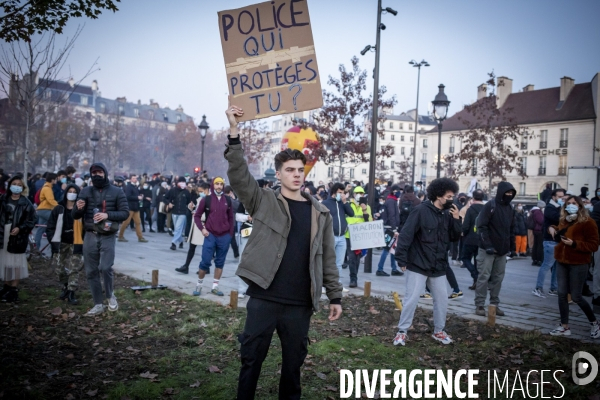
(270, 58)
(366, 235)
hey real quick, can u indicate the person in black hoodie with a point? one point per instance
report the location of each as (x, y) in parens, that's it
(178, 200)
(422, 253)
(102, 206)
(495, 225)
(134, 198)
(470, 238)
(595, 214)
(145, 211)
(66, 239)
(339, 209)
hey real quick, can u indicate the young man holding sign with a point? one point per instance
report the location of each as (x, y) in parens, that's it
(290, 255)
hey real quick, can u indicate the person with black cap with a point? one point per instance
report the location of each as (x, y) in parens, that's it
(102, 207)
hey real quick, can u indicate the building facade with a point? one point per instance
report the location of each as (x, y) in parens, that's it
(563, 132)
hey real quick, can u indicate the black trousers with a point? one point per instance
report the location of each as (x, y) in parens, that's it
(470, 252)
(537, 253)
(161, 219)
(291, 323)
(353, 261)
(145, 215)
(235, 247)
(190, 254)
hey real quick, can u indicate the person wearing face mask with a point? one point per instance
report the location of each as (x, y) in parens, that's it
(178, 200)
(134, 197)
(422, 254)
(495, 225)
(59, 187)
(161, 190)
(380, 208)
(66, 239)
(102, 207)
(584, 193)
(391, 221)
(596, 198)
(17, 218)
(145, 213)
(551, 217)
(520, 231)
(577, 238)
(340, 209)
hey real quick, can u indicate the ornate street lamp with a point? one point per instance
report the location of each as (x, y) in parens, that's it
(94, 139)
(203, 130)
(440, 112)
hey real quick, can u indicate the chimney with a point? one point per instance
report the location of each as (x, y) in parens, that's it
(566, 84)
(504, 90)
(481, 91)
(528, 88)
(139, 102)
(94, 85)
(71, 82)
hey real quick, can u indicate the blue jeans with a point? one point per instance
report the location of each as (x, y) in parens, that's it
(384, 255)
(221, 243)
(179, 223)
(340, 253)
(549, 263)
(43, 217)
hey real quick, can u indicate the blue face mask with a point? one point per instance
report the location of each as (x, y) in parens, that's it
(571, 209)
(338, 197)
(202, 194)
(63, 180)
(16, 189)
(561, 202)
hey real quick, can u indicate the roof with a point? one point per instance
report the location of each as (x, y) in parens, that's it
(539, 106)
(423, 119)
(145, 111)
(65, 87)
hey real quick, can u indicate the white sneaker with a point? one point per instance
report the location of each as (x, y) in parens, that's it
(112, 303)
(96, 310)
(241, 295)
(345, 289)
(400, 338)
(561, 331)
(442, 337)
(323, 290)
(539, 293)
(595, 333)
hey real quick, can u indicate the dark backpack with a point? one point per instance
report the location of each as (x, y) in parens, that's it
(207, 202)
(493, 201)
(530, 222)
(405, 208)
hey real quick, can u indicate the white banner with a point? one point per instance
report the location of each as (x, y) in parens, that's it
(366, 235)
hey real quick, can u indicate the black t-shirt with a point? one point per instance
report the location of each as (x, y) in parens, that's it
(291, 284)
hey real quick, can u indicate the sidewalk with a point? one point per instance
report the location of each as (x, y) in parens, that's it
(523, 309)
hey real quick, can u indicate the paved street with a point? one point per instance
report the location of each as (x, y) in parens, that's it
(522, 309)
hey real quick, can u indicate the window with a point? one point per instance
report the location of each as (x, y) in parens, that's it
(382, 164)
(423, 173)
(423, 158)
(451, 149)
(412, 151)
(102, 107)
(410, 127)
(121, 110)
(543, 139)
(542, 170)
(351, 173)
(151, 114)
(381, 125)
(165, 118)
(401, 126)
(523, 166)
(474, 169)
(562, 165)
(564, 137)
(84, 100)
(522, 189)
(48, 94)
(136, 112)
(391, 165)
(329, 172)
(412, 138)
(402, 138)
(178, 117)
(424, 143)
(402, 150)
(393, 137)
(364, 171)
(524, 142)
(391, 125)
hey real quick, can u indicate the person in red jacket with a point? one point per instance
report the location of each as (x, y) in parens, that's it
(577, 237)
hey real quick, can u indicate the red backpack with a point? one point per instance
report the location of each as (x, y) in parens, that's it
(36, 198)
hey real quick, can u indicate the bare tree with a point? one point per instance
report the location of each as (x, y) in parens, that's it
(39, 63)
(489, 142)
(340, 122)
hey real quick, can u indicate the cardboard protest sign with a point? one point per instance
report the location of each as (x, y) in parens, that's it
(366, 235)
(270, 58)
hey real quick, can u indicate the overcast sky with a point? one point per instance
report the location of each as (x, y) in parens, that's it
(170, 51)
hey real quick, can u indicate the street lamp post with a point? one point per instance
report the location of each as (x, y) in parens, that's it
(418, 65)
(94, 139)
(440, 111)
(374, 117)
(203, 130)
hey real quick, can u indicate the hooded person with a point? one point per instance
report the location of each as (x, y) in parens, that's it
(178, 199)
(495, 224)
(217, 229)
(584, 192)
(102, 207)
(596, 197)
(66, 240)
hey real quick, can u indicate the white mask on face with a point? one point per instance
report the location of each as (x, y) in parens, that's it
(357, 197)
(182, 185)
(71, 196)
